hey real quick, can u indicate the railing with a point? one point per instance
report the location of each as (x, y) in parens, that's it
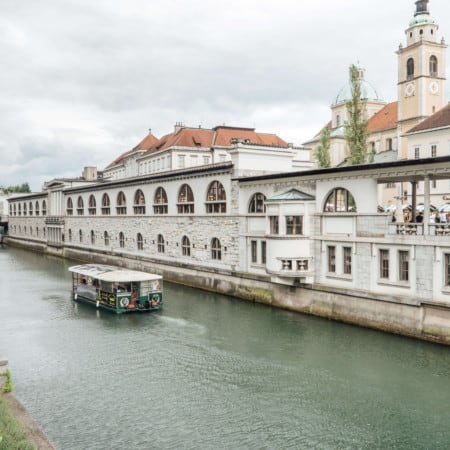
(439, 229)
(412, 229)
(54, 220)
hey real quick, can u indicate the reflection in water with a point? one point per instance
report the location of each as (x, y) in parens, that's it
(210, 371)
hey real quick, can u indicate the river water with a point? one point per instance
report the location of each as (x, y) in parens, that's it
(211, 372)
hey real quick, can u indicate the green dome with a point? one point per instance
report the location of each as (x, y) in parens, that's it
(422, 19)
(368, 92)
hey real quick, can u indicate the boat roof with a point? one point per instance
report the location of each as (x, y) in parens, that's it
(112, 273)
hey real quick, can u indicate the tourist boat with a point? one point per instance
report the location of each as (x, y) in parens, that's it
(116, 289)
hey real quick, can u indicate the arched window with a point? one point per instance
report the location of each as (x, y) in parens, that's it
(185, 246)
(160, 203)
(216, 249)
(92, 237)
(121, 207)
(80, 234)
(140, 242)
(70, 235)
(92, 206)
(340, 200)
(433, 66)
(37, 208)
(30, 208)
(216, 198)
(139, 202)
(410, 69)
(161, 246)
(106, 205)
(24, 209)
(69, 210)
(80, 206)
(44, 208)
(185, 200)
(106, 238)
(257, 204)
(37, 231)
(121, 240)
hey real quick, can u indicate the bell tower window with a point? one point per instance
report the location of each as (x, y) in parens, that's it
(433, 66)
(410, 69)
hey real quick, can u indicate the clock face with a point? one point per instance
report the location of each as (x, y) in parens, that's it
(434, 87)
(409, 89)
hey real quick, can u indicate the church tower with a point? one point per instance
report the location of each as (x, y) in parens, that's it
(421, 73)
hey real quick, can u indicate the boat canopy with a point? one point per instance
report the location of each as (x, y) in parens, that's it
(113, 274)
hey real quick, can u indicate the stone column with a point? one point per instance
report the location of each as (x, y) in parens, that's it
(426, 205)
(413, 201)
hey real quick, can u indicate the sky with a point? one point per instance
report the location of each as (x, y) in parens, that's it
(82, 81)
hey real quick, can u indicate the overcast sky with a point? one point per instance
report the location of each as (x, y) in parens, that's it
(83, 80)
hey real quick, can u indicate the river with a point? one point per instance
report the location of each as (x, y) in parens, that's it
(211, 372)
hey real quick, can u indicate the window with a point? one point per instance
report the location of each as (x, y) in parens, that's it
(106, 205)
(121, 207)
(390, 185)
(92, 237)
(106, 238)
(20, 209)
(216, 198)
(69, 207)
(185, 246)
(338, 120)
(331, 258)
(254, 248)
(185, 200)
(70, 235)
(388, 144)
(274, 224)
(121, 240)
(24, 209)
(403, 265)
(161, 243)
(181, 161)
(294, 224)
(44, 208)
(206, 160)
(80, 234)
(257, 204)
(340, 200)
(433, 66)
(139, 202)
(433, 151)
(160, 202)
(410, 69)
(263, 252)
(434, 184)
(92, 208)
(216, 250)
(30, 210)
(384, 264)
(417, 153)
(347, 254)
(37, 208)
(447, 269)
(80, 206)
(140, 242)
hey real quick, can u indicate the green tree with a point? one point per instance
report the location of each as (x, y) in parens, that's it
(323, 151)
(24, 187)
(355, 127)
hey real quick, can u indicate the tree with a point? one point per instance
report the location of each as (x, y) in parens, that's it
(24, 187)
(323, 151)
(355, 127)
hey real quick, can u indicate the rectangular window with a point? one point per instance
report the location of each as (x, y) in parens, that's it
(433, 184)
(347, 254)
(206, 160)
(447, 269)
(384, 264)
(294, 224)
(331, 259)
(433, 151)
(181, 161)
(254, 245)
(263, 252)
(417, 153)
(274, 224)
(403, 265)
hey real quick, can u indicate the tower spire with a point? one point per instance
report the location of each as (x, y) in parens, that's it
(421, 7)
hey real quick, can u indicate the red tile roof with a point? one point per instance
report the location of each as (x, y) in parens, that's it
(439, 119)
(224, 135)
(384, 119)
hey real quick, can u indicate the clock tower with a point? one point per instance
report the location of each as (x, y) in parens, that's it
(421, 73)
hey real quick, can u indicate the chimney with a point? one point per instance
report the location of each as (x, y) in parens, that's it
(90, 173)
(178, 126)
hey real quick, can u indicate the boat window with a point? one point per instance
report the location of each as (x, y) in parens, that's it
(185, 200)
(92, 205)
(106, 205)
(121, 207)
(257, 204)
(160, 203)
(216, 198)
(340, 200)
(139, 202)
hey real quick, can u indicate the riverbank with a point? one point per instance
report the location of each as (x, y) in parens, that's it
(17, 428)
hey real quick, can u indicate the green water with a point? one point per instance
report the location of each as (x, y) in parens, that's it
(211, 372)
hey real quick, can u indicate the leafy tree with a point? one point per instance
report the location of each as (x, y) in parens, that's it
(355, 127)
(24, 187)
(323, 151)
